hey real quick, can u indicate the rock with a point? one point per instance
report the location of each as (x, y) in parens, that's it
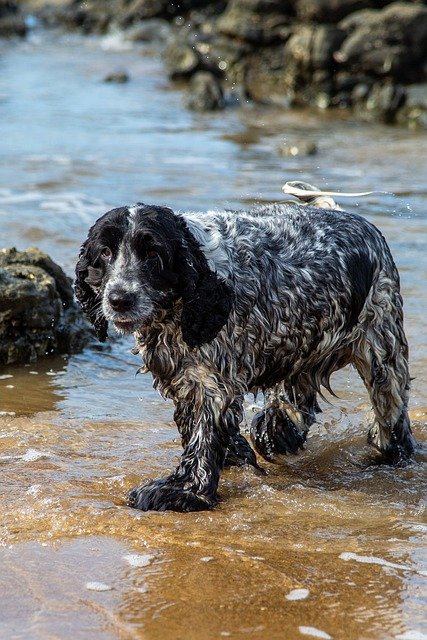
(268, 75)
(298, 148)
(182, 60)
(38, 315)
(205, 93)
(153, 30)
(382, 103)
(223, 56)
(414, 113)
(391, 42)
(92, 16)
(358, 54)
(257, 21)
(313, 47)
(12, 22)
(357, 19)
(300, 70)
(332, 11)
(137, 10)
(119, 77)
(96, 16)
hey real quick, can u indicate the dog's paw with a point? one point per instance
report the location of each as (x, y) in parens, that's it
(164, 495)
(240, 453)
(273, 434)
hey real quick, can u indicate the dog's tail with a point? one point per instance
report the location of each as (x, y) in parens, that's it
(314, 197)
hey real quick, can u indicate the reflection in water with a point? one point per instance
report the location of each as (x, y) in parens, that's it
(78, 433)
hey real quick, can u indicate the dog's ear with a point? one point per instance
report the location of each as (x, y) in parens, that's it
(87, 288)
(207, 300)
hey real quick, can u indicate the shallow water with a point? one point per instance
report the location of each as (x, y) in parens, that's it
(331, 544)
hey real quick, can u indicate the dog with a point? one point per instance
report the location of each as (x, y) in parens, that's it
(272, 300)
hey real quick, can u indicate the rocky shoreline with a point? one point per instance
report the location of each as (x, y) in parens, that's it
(38, 315)
(368, 57)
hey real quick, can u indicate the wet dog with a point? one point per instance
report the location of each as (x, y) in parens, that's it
(222, 303)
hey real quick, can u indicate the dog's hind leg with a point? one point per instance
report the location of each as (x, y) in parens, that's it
(239, 451)
(282, 426)
(381, 358)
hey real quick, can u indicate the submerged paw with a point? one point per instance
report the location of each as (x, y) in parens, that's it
(273, 434)
(164, 495)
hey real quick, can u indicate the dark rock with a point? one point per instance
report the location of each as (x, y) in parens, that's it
(382, 103)
(153, 30)
(38, 315)
(223, 56)
(96, 16)
(414, 113)
(257, 21)
(360, 92)
(182, 60)
(298, 148)
(332, 11)
(119, 77)
(357, 54)
(205, 93)
(12, 22)
(137, 10)
(268, 75)
(92, 16)
(299, 70)
(391, 42)
(357, 19)
(313, 47)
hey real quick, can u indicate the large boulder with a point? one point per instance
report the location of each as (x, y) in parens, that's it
(331, 11)
(205, 93)
(388, 43)
(299, 70)
(256, 21)
(97, 16)
(38, 315)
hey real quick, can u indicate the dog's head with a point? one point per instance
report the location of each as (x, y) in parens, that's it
(139, 261)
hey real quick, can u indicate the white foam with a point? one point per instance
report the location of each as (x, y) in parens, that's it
(315, 633)
(348, 555)
(136, 560)
(298, 594)
(412, 635)
(115, 41)
(33, 454)
(98, 586)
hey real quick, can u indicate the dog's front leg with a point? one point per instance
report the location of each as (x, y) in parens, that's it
(193, 486)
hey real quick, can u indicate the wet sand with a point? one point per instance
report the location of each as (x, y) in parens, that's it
(77, 562)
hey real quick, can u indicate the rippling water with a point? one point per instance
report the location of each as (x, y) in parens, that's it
(331, 543)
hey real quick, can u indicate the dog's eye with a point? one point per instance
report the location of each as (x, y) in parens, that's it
(106, 253)
(152, 254)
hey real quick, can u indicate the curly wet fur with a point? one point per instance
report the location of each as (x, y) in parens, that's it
(223, 303)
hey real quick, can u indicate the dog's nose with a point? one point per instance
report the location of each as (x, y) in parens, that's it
(120, 300)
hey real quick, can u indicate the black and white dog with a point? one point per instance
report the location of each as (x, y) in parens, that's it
(222, 303)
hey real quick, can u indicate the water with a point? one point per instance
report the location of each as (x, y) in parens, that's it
(327, 546)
